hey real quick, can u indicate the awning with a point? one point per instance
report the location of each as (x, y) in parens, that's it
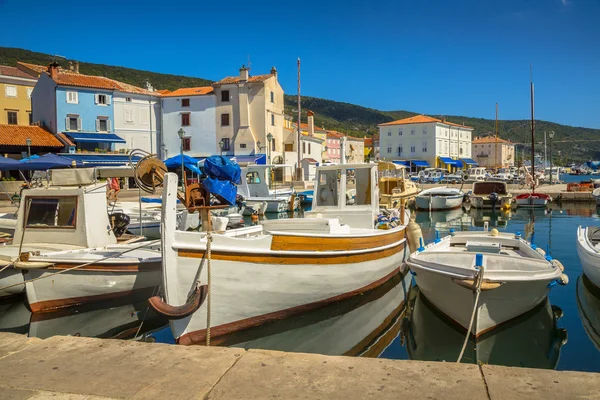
(260, 159)
(469, 161)
(47, 161)
(405, 163)
(450, 161)
(95, 137)
(420, 163)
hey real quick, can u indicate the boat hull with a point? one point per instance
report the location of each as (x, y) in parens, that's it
(9, 277)
(438, 203)
(495, 306)
(529, 200)
(86, 285)
(485, 202)
(251, 290)
(590, 260)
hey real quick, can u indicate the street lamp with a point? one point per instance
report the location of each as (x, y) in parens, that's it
(551, 136)
(221, 145)
(181, 134)
(269, 144)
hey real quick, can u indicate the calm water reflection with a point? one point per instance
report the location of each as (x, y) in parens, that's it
(380, 325)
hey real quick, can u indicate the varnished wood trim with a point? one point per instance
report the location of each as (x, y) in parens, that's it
(219, 333)
(141, 267)
(296, 259)
(308, 243)
(51, 305)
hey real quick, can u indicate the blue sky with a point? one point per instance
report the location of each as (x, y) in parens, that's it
(433, 57)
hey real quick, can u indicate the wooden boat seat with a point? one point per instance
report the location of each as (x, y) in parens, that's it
(306, 225)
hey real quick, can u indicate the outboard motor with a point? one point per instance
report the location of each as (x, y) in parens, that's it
(120, 222)
(494, 199)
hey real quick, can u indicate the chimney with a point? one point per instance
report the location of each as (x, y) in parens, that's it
(53, 70)
(311, 123)
(149, 86)
(76, 67)
(244, 73)
(274, 72)
(71, 66)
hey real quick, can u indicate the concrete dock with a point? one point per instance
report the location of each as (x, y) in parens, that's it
(99, 369)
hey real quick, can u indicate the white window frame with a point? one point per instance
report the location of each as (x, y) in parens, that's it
(412, 131)
(389, 149)
(108, 125)
(29, 92)
(11, 87)
(390, 133)
(413, 149)
(72, 97)
(106, 99)
(129, 116)
(242, 145)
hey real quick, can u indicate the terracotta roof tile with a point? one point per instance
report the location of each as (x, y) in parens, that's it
(420, 119)
(65, 139)
(16, 135)
(236, 79)
(334, 134)
(14, 72)
(34, 67)
(195, 91)
(369, 141)
(164, 91)
(489, 139)
(305, 126)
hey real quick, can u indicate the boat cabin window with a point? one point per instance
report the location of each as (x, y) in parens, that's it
(252, 178)
(328, 188)
(52, 212)
(361, 195)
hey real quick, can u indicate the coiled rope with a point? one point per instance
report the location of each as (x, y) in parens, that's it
(82, 265)
(209, 240)
(478, 291)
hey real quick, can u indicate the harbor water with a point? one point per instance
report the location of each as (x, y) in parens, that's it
(562, 333)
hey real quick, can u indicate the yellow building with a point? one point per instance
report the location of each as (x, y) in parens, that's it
(16, 87)
(493, 152)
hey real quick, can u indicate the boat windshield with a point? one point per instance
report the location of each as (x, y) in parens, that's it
(328, 188)
(55, 212)
(362, 183)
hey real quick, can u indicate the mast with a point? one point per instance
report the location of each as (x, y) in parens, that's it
(496, 143)
(299, 166)
(532, 132)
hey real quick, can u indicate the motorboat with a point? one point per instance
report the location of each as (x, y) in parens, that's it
(280, 268)
(596, 195)
(64, 251)
(254, 189)
(588, 249)
(588, 304)
(532, 199)
(431, 175)
(483, 279)
(394, 187)
(533, 340)
(442, 198)
(475, 174)
(490, 195)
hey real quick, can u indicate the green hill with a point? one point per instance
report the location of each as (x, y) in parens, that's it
(575, 144)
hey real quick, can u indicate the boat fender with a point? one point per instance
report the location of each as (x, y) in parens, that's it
(414, 235)
(178, 312)
(32, 264)
(563, 279)
(541, 251)
(558, 264)
(494, 232)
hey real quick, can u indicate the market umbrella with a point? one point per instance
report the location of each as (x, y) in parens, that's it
(47, 161)
(8, 164)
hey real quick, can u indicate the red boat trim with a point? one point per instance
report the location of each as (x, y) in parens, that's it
(218, 334)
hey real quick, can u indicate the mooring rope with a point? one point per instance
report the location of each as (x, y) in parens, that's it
(82, 265)
(209, 239)
(478, 290)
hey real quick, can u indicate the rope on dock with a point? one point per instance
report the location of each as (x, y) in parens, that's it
(209, 240)
(478, 291)
(150, 243)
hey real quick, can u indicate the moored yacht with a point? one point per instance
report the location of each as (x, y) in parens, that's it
(490, 195)
(442, 198)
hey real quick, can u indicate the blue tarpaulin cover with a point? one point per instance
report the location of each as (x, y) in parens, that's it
(189, 162)
(420, 163)
(95, 137)
(47, 161)
(399, 162)
(449, 161)
(469, 161)
(224, 190)
(593, 164)
(223, 168)
(8, 163)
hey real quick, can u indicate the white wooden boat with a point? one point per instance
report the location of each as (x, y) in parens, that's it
(596, 195)
(588, 249)
(514, 276)
(59, 229)
(441, 198)
(475, 174)
(532, 340)
(281, 268)
(394, 186)
(490, 195)
(255, 189)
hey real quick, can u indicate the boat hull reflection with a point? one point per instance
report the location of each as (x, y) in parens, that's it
(531, 340)
(588, 304)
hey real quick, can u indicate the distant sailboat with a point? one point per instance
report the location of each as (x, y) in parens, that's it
(532, 199)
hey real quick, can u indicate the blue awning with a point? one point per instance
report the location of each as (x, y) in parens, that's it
(101, 160)
(260, 159)
(420, 163)
(469, 161)
(95, 137)
(405, 163)
(450, 161)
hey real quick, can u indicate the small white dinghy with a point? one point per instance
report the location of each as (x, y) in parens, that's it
(588, 249)
(511, 275)
(441, 198)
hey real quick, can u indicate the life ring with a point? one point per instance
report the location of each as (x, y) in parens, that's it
(465, 177)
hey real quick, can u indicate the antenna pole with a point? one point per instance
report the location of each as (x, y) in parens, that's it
(532, 131)
(299, 166)
(496, 143)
